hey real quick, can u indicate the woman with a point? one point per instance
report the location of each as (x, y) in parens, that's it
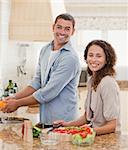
(102, 102)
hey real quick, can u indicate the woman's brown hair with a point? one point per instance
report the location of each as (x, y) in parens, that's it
(108, 68)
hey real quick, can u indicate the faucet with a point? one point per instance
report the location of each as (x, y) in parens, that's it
(21, 70)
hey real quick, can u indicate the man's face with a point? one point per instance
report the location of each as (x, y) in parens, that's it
(63, 30)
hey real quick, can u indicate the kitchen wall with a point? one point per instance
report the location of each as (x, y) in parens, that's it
(4, 15)
(10, 50)
(107, 20)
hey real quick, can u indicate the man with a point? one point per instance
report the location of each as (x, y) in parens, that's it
(54, 85)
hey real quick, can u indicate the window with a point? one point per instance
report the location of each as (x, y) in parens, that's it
(83, 38)
(117, 38)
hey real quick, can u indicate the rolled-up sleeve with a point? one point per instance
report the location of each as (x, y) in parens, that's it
(61, 74)
(36, 81)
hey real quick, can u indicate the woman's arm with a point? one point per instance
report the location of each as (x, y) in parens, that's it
(109, 127)
(79, 122)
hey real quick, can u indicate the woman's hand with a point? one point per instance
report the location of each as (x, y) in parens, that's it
(85, 125)
(61, 123)
(58, 122)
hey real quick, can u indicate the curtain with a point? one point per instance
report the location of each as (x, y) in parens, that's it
(30, 20)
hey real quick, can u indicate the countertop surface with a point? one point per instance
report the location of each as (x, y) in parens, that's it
(105, 142)
(11, 141)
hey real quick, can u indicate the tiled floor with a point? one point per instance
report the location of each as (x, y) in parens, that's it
(123, 106)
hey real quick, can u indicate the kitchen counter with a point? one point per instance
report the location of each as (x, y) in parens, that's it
(105, 142)
(113, 141)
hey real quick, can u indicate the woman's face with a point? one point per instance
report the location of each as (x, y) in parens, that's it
(96, 58)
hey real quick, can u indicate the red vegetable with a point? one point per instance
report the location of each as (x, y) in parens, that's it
(83, 134)
(88, 130)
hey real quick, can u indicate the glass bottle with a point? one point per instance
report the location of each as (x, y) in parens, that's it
(9, 89)
(15, 88)
(10, 84)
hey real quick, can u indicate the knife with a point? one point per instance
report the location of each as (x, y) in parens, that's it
(54, 127)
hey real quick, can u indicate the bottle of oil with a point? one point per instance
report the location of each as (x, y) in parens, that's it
(9, 89)
(10, 84)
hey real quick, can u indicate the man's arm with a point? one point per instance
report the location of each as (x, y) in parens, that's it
(25, 92)
(79, 122)
(13, 104)
(66, 70)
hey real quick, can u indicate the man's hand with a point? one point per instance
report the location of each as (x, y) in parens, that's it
(11, 106)
(10, 97)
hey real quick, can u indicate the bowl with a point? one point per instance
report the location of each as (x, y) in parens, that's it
(84, 139)
(49, 138)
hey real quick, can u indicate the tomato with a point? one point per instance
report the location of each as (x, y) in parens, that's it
(88, 130)
(56, 130)
(73, 131)
(83, 134)
(63, 131)
(60, 130)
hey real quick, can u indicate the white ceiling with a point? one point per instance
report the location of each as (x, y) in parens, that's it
(96, 1)
(97, 7)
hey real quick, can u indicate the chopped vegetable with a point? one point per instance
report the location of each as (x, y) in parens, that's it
(36, 132)
(2, 104)
(80, 135)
